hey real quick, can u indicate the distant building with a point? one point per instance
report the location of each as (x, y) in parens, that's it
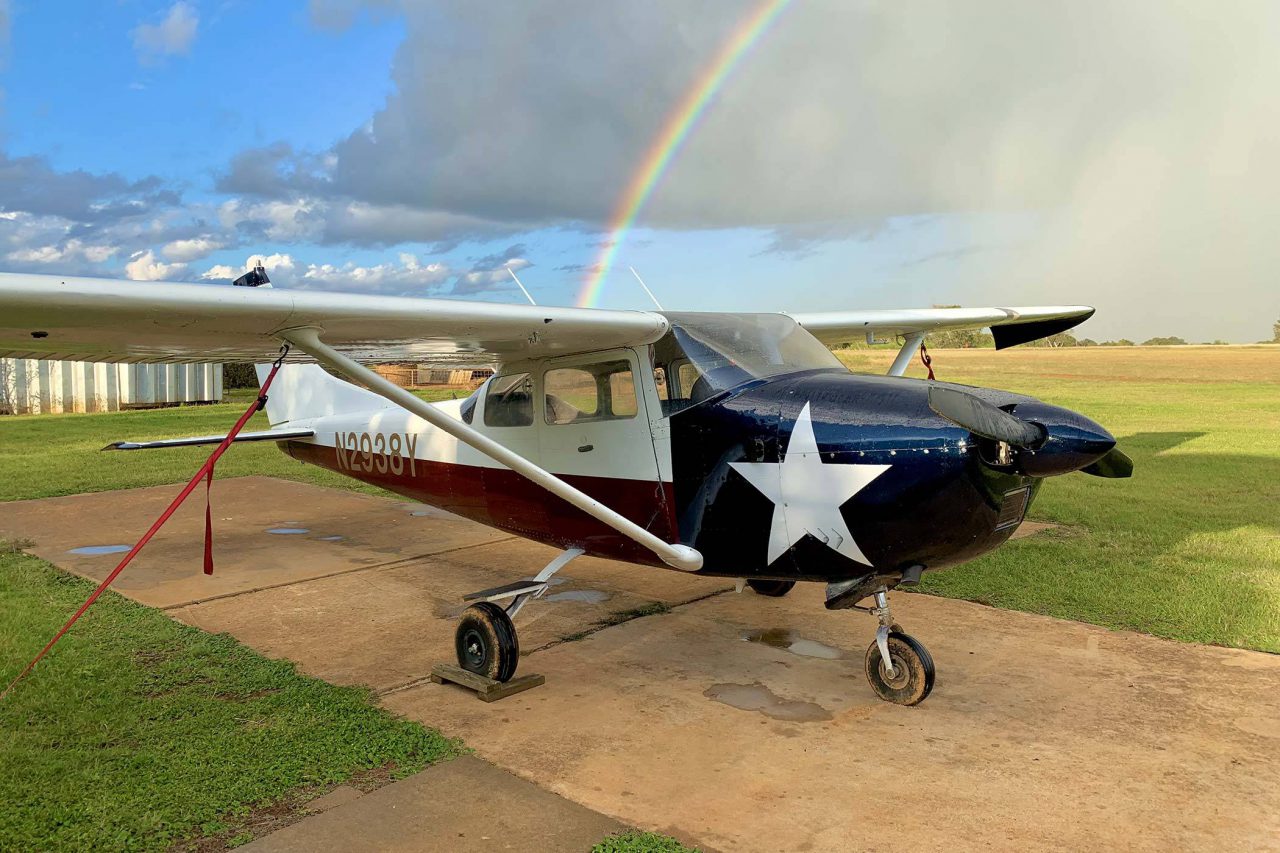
(31, 386)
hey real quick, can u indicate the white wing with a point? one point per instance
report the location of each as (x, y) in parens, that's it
(86, 319)
(1010, 326)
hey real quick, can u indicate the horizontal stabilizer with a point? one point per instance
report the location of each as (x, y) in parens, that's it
(264, 435)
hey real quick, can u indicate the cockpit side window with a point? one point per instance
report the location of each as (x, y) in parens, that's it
(509, 401)
(590, 392)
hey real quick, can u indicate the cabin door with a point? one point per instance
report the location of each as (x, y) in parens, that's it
(595, 432)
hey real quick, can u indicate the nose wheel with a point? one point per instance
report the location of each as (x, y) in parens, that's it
(898, 666)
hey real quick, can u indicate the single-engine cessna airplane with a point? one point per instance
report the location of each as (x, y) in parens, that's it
(724, 444)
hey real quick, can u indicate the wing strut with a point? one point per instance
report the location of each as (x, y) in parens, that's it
(909, 347)
(308, 340)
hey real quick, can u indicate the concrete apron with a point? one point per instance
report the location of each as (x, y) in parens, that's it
(736, 721)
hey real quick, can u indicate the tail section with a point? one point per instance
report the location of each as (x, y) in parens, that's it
(305, 391)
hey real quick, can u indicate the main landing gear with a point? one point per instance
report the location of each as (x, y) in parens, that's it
(898, 666)
(486, 639)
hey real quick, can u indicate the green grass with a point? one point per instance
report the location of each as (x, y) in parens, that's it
(138, 731)
(641, 842)
(1189, 548)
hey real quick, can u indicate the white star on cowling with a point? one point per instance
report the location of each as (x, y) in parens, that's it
(807, 493)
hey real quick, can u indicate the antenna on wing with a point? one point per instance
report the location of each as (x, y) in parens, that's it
(646, 288)
(520, 285)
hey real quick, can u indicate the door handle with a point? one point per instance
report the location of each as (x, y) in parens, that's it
(586, 448)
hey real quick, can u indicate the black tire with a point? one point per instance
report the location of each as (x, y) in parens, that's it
(913, 670)
(773, 589)
(486, 642)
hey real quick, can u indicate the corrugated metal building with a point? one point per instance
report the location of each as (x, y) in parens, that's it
(30, 386)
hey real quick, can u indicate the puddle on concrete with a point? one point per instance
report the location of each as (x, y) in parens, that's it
(757, 697)
(287, 531)
(788, 640)
(91, 550)
(590, 596)
(331, 538)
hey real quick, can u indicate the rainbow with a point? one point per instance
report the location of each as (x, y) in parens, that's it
(675, 130)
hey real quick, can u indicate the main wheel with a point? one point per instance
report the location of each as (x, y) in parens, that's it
(486, 642)
(912, 677)
(773, 589)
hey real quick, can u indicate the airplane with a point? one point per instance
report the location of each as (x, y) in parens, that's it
(728, 444)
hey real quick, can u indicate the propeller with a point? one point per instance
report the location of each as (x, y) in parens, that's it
(1116, 465)
(981, 418)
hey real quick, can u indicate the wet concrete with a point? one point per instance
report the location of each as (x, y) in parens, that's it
(757, 697)
(1039, 733)
(167, 572)
(784, 638)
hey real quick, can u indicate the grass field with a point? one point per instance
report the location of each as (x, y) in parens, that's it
(147, 731)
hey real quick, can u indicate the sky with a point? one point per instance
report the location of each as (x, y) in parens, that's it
(846, 153)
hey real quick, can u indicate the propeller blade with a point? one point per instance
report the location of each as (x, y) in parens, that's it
(981, 418)
(1116, 465)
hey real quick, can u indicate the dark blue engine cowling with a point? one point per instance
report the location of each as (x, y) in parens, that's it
(946, 497)
(1073, 440)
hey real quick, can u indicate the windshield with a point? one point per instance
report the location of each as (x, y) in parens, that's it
(705, 353)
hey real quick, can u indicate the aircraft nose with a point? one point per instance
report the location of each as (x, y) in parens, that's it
(1072, 441)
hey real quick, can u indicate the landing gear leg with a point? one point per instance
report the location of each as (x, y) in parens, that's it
(486, 639)
(898, 666)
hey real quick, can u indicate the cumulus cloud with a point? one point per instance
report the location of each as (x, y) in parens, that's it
(408, 275)
(281, 220)
(171, 35)
(191, 248)
(72, 250)
(145, 266)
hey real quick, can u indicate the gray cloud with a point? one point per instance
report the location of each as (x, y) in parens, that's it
(29, 184)
(1144, 135)
(490, 273)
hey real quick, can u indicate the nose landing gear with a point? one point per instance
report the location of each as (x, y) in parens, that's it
(898, 666)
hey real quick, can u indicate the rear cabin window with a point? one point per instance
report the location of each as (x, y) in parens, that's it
(590, 392)
(509, 401)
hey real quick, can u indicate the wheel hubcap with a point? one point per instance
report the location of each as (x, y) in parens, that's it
(473, 646)
(901, 676)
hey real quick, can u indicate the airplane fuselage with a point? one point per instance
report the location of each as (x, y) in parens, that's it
(743, 438)
(931, 498)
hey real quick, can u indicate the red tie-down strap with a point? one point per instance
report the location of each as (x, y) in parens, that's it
(926, 359)
(205, 473)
